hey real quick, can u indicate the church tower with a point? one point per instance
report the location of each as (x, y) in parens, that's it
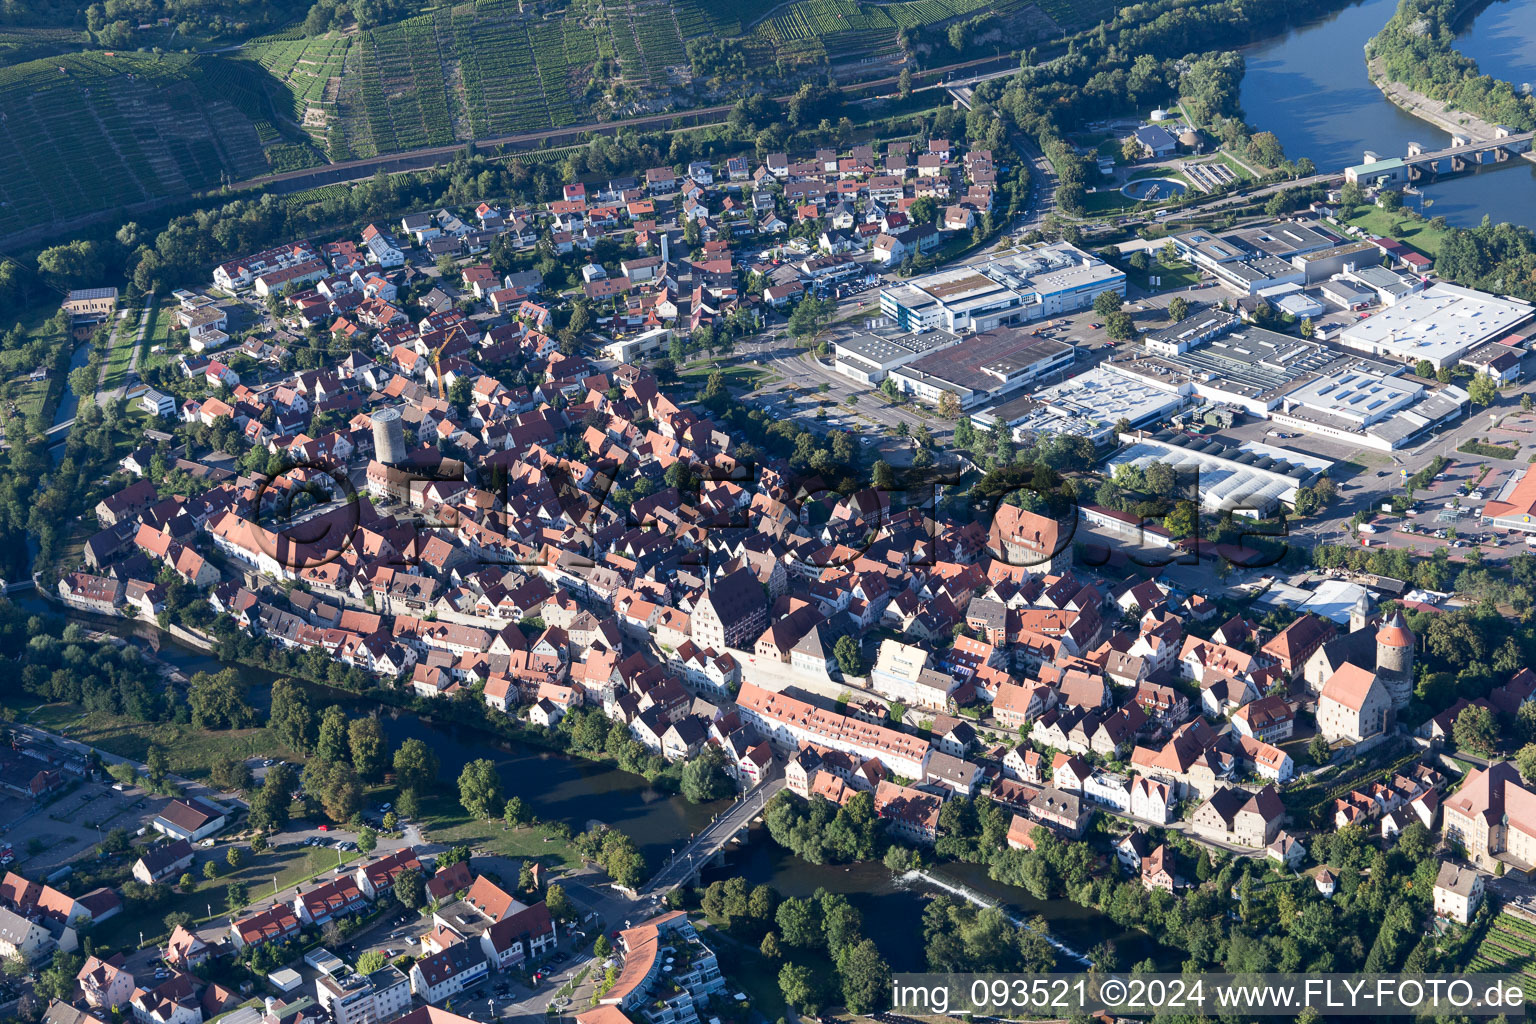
(1363, 613)
(1395, 644)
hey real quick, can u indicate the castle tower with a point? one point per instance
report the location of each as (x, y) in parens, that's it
(1362, 614)
(1395, 645)
(388, 437)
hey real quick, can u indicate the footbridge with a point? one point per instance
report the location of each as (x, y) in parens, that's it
(1424, 166)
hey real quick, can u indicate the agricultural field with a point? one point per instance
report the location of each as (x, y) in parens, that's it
(1508, 947)
(88, 131)
(517, 73)
(311, 70)
(398, 98)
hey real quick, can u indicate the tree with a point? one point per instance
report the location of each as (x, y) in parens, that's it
(846, 650)
(216, 701)
(367, 840)
(904, 83)
(336, 786)
(211, 870)
(186, 883)
(1526, 405)
(705, 778)
(515, 813)
(1107, 302)
(1120, 326)
(236, 896)
(291, 716)
(1475, 731)
(410, 889)
(234, 858)
(365, 738)
(332, 742)
(270, 802)
(798, 986)
(799, 925)
(601, 947)
(949, 408)
(416, 766)
(392, 822)
(810, 318)
(1318, 750)
(480, 789)
(1525, 760)
(1307, 327)
(229, 773)
(157, 764)
(258, 844)
(57, 980)
(1424, 368)
(866, 976)
(1178, 309)
(923, 211)
(882, 475)
(525, 876)
(1482, 390)
(769, 947)
(373, 960)
(558, 903)
(1183, 521)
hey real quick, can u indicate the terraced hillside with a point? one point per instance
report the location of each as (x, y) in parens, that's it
(310, 69)
(89, 131)
(1508, 947)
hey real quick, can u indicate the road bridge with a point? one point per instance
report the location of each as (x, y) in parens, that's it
(1464, 154)
(685, 864)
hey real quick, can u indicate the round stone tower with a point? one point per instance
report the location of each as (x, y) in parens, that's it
(388, 437)
(1395, 645)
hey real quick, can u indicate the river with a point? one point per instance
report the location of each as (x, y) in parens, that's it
(1310, 87)
(556, 786)
(893, 908)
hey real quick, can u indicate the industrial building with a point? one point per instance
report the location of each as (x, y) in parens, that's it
(1021, 286)
(1088, 405)
(867, 358)
(984, 367)
(1250, 260)
(1189, 332)
(1370, 403)
(1251, 478)
(1442, 323)
(1250, 368)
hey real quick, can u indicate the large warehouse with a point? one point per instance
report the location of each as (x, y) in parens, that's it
(1251, 478)
(1442, 323)
(1030, 284)
(1088, 405)
(984, 367)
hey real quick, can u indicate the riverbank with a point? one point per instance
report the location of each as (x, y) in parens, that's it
(1431, 111)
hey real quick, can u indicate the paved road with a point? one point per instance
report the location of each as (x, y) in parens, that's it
(708, 842)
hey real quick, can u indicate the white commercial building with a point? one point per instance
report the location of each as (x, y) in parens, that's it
(1367, 402)
(1088, 405)
(1441, 324)
(867, 358)
(1252, 478)
(1027, 285)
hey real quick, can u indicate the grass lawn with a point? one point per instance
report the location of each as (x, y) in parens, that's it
(748, 972)
(291, 866)
(158, 334)
(192, 751)
(1237, 168)
(121, 354)
(29, 396)
(1398, 225)
(748, 377)
(444, 821)
(1178, 275)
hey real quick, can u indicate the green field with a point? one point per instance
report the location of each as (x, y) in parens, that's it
(1400, 226)
(191, 751)
(442, 820)
(291, 866)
